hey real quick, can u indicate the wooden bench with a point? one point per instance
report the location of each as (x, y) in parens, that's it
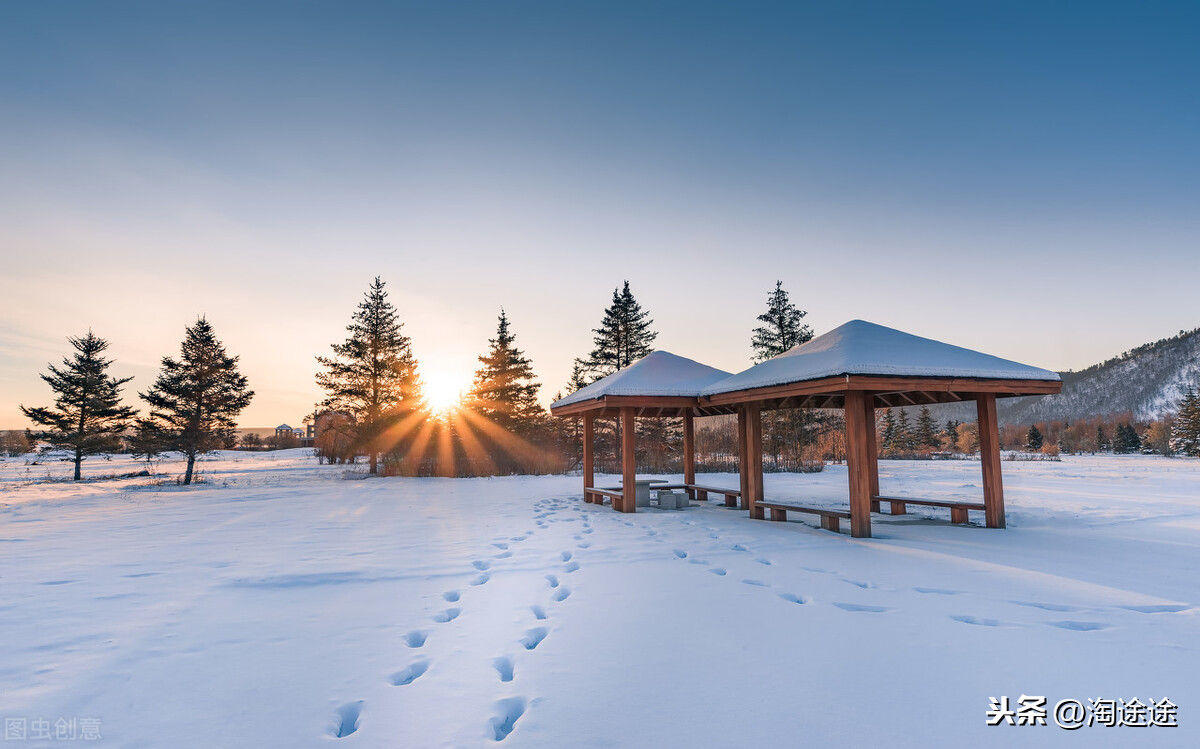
(830, 519)
(958, 510)
(592, 494)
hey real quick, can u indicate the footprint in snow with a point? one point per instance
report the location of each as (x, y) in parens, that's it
(793, 598)
(860, 584)
(1162, 609)
(938, 591)
(538, 612)
(503, 555)
(570, 566)
(1079, 626)
(479, 564)
(416, 638)
(759, 583)
(862, 607)
(693, 560)
(508, 712)
(448, 615)
(553, 580)
(481, 579)
(977, 621)
(718, 571)
(561, 593)
(410, 674)
(500, 545)
(534, 637)
(584, 545)
(345, 722)
(566, 556)
(767, 562)
(504, 667)
(738, 547)
(587, 530)
(451, 596)
(680, 553)
(1047, 606)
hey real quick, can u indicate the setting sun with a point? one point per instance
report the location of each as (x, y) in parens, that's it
(443, 391)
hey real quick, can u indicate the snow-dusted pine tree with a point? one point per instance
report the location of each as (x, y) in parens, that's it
(1185, 432)
(87, 416)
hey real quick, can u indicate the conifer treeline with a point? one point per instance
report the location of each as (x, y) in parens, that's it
(374, 407)
(193, 403)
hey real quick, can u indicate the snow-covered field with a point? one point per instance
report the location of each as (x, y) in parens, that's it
(277, 605)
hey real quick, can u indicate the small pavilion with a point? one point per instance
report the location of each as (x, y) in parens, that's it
(857, 367)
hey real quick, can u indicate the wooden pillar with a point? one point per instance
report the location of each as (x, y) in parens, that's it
(857, 462)
(743, 458)
(872, 448)
(989, 456)
(754, 468)
(628, 462)
(589, 458)
(689, 452)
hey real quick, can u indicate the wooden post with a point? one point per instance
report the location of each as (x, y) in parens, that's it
(743, 458)
(989, 456)
(872, 449)
(628, 462)
(589, 458)
(689, 452)
(754, 457)
(857, 463)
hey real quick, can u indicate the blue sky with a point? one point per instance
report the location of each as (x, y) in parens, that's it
(1021, 178)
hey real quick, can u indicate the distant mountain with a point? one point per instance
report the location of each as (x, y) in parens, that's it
(1148, 381)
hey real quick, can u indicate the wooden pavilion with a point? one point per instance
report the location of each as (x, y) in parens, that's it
(857, 367)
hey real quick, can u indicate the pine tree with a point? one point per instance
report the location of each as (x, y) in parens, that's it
(373, 375)
(782, 328)
(1127, 439)
(505, 387)
(1034, 439)
(624, 336)
(952, 434)
(926, 429)
(889, 431)
(1185, 432)
(904, 435)
(195, 401)
(87, 416)
(1101, 439)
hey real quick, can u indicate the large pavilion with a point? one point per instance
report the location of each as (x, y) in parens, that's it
(857, 367)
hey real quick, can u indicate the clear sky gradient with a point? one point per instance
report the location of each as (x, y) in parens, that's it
(1018, 177)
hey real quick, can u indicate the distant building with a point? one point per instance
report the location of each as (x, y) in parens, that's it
(304, 437)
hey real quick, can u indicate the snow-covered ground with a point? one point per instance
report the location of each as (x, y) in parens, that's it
(277, 605)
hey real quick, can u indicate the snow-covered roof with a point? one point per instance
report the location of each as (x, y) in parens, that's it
(658, 373)
(864, 348)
